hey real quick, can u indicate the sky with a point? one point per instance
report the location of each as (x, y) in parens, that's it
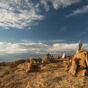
(36, 27)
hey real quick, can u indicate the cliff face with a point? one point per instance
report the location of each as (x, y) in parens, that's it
(51, 75)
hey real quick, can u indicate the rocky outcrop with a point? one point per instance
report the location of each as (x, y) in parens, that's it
(33, 67)
(79, 64)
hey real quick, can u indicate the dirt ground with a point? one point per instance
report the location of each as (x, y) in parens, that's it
(51, 75)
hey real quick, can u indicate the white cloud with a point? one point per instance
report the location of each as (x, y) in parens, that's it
(58, 3)
(18, 13)
(67, 47)
(36, 48)
(45, 4)
(14, 48)
(79, 11)
(63, 3)
(64, 47)
(24, 13)
(44, 41)
(56, 41)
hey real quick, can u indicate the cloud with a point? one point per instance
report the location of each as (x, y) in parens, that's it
(45, 4)
(79, 11)
(43, 41)
(22, 14)
(56, 41)
(63, 3)
(64, 47)
(36, 48)
(18, 13)
(19, 48)
(58, 3)
(67, 47)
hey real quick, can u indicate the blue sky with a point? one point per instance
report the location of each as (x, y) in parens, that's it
(42, 26)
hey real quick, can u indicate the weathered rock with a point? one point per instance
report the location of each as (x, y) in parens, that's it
(79, 63)
(81, 73)
(33, 67)
(35, 60)
(32, 60)
(73, 68)
(47, 59)
(68, 65)
(80, 45)
(81, 56)
(22, 66)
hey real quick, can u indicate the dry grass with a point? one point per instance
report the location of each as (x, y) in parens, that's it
(51, 75)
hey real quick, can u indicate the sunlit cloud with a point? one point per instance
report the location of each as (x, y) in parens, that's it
(37, 48)
(23, 14)
(18, 13)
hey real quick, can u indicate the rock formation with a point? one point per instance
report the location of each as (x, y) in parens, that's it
(47, 59)
(79, 63)
(33, 67)
(80, 45)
